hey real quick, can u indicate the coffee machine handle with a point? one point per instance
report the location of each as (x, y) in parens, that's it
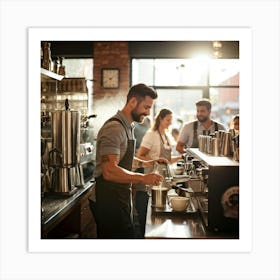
(51, 157)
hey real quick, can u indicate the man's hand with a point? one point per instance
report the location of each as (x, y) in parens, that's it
(180, 147)
(162, 160)
(152, 179)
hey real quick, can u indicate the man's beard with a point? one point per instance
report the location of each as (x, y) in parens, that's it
(202, 119)
(137, 117)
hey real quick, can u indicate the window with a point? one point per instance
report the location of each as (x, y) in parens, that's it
(170, 72)
(180, 102)
(181, 82)
(78, 68)
(180, 72)
(225, 104)
(224, 72)
(143, 71)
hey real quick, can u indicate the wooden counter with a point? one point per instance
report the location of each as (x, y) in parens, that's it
(173, 225)
(68, 217)
(178, 226)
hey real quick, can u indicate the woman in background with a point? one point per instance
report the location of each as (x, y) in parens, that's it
(235, 127)
(156, 143)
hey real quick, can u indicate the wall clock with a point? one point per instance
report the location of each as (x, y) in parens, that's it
(110, 77)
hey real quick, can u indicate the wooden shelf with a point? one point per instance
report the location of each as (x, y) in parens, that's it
(46, 75)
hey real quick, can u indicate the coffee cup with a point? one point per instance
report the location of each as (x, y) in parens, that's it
(179, 203)
(179, 170)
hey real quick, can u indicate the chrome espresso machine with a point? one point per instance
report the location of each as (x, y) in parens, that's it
(64, 157)
(218, 193)
(67, 153)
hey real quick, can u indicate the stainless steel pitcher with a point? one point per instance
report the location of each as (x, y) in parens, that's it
(215, 147)
(64, 158)
(226, 148)
(63, 179)
(66, 136)
(159, 195)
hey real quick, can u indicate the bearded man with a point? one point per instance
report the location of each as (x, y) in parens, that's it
(115, 149)
(204, 125)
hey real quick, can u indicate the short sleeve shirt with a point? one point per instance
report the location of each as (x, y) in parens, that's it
(151, 141)
(112, 140)
(186, 134)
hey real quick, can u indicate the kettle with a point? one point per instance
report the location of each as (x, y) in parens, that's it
(62, 178)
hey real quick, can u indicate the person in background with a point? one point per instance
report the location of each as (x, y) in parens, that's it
(175, 133)
(155, 144)
(139, 131)
(115, 149)
(235, 124)
(235, 135)
(204, 125)
(140, 128)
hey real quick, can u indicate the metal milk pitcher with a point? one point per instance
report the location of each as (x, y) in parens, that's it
(66, 136)
(226, 145)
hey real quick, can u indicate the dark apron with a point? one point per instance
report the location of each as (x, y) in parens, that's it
(114, 201)
(205, 132)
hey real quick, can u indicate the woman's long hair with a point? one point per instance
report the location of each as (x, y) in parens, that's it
(161, 114)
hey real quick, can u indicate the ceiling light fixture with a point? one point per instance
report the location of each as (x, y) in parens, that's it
(217, 46)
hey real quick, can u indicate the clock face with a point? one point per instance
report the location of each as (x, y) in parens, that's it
(110, 77)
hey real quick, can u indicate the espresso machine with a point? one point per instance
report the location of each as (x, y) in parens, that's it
(64, 157)
(218, 196)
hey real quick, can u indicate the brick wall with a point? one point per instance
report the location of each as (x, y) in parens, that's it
(106, 102)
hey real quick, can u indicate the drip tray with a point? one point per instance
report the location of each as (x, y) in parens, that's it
(191, 210)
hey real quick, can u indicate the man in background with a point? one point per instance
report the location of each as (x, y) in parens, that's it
(204, 125)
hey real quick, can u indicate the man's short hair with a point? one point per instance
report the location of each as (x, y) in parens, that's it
(204, 102)
(140, 91)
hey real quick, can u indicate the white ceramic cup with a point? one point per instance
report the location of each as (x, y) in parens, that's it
(179, 203)
(179, 170)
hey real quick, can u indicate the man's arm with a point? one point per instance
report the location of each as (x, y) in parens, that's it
(180, 147)
(145, 160)
(112, 172)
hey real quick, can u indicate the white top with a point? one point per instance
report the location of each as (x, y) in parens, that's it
(152, 141)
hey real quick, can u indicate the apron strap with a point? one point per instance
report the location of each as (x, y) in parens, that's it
(128, 138)
(118, 120)
(162, 139)
(195, 139)
(216, 126)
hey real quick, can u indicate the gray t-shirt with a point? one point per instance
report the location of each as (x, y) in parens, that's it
(112, 140)
(186, 134)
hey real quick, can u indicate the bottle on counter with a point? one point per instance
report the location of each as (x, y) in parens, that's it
(61, 68)
(47, 61)
(55, 65)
